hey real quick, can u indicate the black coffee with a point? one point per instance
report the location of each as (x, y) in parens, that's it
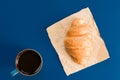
(29, 62)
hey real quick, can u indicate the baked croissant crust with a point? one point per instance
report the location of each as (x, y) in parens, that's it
(79, 41)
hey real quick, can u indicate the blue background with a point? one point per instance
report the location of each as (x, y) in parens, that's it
(23, 25)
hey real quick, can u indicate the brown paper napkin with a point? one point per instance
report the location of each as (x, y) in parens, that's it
(57, 33)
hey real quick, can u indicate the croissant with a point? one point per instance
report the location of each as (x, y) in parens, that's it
(79, 41)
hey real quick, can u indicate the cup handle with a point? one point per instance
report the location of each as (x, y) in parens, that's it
(14, 72)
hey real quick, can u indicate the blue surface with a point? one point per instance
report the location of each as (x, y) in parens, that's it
(23, 25)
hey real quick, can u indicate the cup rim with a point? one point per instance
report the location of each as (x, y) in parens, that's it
(17, 59)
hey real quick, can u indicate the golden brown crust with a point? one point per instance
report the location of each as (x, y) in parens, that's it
(78, 28)
(78, 41)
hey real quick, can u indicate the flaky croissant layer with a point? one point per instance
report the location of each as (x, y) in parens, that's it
(79, 40)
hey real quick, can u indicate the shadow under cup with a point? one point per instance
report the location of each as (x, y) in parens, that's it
(28, 62)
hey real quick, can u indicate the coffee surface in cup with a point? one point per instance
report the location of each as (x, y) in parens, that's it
(29, 62)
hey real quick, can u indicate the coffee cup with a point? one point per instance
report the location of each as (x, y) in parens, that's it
(28, 62)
